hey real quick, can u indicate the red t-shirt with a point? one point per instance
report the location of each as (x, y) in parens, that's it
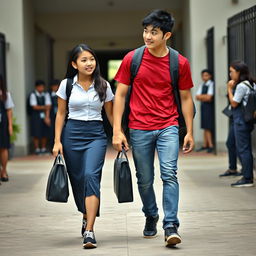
(152, 100)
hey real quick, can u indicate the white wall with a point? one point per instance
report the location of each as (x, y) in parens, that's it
(205, 14)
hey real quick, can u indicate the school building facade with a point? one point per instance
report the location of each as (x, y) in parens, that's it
(36, 37)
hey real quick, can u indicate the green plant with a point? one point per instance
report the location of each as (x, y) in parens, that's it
(16, 130)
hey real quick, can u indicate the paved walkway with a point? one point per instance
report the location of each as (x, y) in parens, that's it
(215, 218)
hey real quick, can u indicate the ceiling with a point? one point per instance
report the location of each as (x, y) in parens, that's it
(67, 6)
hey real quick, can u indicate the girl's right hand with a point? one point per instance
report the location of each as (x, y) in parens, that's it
(57, 148)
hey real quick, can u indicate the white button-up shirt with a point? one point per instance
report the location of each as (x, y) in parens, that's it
(8, 104)
(84, 105)
(33, 100)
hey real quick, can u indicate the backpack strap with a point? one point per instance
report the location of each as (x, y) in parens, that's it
(249, 85)
(136, 61)
(69, 87)
(174, 67)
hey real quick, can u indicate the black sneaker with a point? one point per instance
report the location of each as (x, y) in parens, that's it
(210, 150)
(229, 173)
(150, 226)
(171, 236)
(83, 226)
(201, 149)
(89, 240)
(242, 183)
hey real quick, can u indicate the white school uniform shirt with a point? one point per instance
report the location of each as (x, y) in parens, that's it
(33, 100)
(8, 104)
(84, 105)
(242, 92)
(209, 84)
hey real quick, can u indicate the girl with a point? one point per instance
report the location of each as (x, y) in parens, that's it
(6, 105)
(84, 141)
(243, 83)
(205, 94)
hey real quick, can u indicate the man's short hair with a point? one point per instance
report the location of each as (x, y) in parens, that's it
(159, 19)
(39, 82)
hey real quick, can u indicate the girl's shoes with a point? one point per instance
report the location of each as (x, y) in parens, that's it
(89, 240)
(5, 179)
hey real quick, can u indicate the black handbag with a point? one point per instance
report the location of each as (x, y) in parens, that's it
(227, 111)
(123, 178)
(57, 185)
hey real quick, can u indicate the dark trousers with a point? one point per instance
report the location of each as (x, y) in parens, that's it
(242, 131)
(231, 145)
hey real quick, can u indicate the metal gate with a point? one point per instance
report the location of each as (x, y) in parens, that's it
(242, 38)
(210, 66)
(3, 57)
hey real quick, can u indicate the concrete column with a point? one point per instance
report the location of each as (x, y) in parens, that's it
(16, 22)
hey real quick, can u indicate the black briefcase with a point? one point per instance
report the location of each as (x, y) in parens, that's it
(123, 178)
(57, 185)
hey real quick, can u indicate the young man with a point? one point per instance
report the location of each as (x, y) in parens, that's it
(153, 122)
(40, 103)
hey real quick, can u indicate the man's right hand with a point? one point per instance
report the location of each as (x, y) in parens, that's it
(119, 140)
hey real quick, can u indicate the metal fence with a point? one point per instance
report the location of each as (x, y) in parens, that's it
(2, 57)
(242, 45)
(242, 38)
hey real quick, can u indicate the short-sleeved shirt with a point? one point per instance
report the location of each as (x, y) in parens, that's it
(8, 104)
(242, 92)
(152, 100)
(33, 100)
(84, 105)
(210, 90)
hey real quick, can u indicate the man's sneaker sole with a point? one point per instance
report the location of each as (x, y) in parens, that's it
(89, 245)
(172, 240)
(243, 185)
(150, 237)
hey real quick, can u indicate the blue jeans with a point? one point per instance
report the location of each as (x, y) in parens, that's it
(166, 142)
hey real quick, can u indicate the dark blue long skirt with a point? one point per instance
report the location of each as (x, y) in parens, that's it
(84, 148)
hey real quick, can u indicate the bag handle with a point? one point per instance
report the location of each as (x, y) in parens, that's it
(59, 159)
(122, 153)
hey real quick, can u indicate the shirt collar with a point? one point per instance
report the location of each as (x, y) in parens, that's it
(75, 81)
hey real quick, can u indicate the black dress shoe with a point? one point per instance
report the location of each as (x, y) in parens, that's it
(5, 179)
(201, 149)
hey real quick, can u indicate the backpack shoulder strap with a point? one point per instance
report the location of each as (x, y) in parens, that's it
(174, 67)
(69, 87)
(136, 61)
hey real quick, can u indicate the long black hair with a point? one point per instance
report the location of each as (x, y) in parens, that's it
(243, 69)
(3, 89)
(100, 84)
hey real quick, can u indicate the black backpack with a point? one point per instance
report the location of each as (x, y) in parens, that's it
(174, 72)
(250, 107)
(69, 87)
(29, 108)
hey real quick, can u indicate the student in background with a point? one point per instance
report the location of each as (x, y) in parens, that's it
(54, 86)
(40, 103)
(243, 83)
(205, 94)
(6, 130)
